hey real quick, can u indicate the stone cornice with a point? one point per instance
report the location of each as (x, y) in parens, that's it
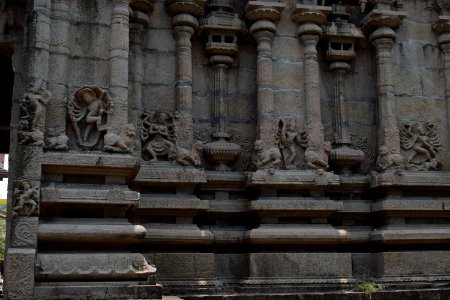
(191, 7)
(259, 10)
(310, 14)
(382, 18)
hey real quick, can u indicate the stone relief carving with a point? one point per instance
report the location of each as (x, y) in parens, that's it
(157, 135)
(25, 232)
(26, 199)
(420, 145)
(187, 157)
(266, 158)
(20, 279)
(32, 114)
(390, 159)
(288, 137)
(317, 158)
(56, 139)
(89, 110)
(123, 142)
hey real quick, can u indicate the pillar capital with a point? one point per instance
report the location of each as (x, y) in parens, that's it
(190, 7)
(377, 18)
(304, 14)
(259, 10)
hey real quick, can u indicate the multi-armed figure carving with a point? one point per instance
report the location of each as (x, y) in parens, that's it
(26, 200)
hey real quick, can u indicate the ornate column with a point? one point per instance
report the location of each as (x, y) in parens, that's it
(442, 27)
(119, 48)
(263, 15)
(309, 19)
(184, 25)
(340, 35)
(221, 27)
(380, 23)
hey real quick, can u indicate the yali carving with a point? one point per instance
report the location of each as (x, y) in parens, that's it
(187, 157)
(26, 199)
(89, 110)
(122, 142)
(390, 159)
(420, 145)
(266, 158)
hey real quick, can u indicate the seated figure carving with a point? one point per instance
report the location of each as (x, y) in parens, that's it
(157, 136)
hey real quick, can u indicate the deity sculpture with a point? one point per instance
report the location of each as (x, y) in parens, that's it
(288, 137)
(420, 146)
(88, 111)
(266, 158)
(26, 199)
(157, 135)
(32, 114)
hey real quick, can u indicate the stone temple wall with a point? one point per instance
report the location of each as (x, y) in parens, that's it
(193, 147)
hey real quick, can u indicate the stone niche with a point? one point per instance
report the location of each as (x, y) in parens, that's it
(217, 147)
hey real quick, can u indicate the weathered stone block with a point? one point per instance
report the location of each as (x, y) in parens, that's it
(19, 274)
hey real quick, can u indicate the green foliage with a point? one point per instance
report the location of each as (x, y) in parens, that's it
(369, 287)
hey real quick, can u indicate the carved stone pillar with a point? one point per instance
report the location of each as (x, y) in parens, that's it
(381, 25)
(309, 19)
(59, 45)
(264, 14)
(184, 25)
(119, 47)
(442, 26)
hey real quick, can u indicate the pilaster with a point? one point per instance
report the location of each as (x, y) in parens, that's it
(264, 15)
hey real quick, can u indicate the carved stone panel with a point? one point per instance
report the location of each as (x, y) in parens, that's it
(26, 199)
(24, 232)
(19, 277)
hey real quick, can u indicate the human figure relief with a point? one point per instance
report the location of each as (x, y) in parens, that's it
(157, 135)
(32, 114)
(288, 137)
(266, 158)
(26, 199)
(420, 146)
(88, 111)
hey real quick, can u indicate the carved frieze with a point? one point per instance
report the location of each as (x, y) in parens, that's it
(88, 111)
(25, 199)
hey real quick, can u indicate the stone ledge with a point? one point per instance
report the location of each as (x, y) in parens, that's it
(428, 179)
(321, 207)
(100, 163)
(166, 173)
(296, 234)
(179, 234)
(172, 202)
(90, 195)
(295, 179)
(412, 234)
(412, 205)
(98, 231)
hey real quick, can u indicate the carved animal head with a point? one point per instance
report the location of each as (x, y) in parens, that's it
(326, 147)
(197, 146)
(383, 150)
(130, 130)
(258, 146)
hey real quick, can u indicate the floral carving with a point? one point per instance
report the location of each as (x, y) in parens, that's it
(89, 110)
(26, 200)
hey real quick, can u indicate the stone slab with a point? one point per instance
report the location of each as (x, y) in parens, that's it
(412, 234)
(429, 179)
(167, 202)
(300, 206)
(19, 274)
